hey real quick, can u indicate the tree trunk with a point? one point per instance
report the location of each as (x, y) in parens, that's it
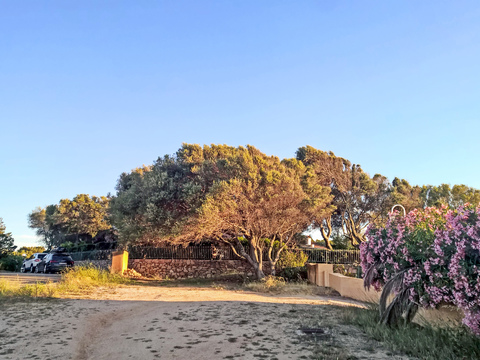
(272, 268)
(328, 245)
(326, 230)
(273, 262)
(259, 274)
(252, 259)
(351, 231)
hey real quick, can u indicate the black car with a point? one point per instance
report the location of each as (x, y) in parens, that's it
(55, 262)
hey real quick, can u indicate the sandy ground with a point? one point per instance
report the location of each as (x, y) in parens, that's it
(142, 322)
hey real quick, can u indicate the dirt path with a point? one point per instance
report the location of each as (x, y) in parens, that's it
(138, 322)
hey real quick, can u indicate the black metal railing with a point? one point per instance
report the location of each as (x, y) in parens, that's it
(332, 256)
(210, 252)
(202, 252)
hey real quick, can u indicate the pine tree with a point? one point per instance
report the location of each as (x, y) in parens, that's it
(6, 241)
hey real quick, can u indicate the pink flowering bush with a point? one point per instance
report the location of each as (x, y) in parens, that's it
(431, 257)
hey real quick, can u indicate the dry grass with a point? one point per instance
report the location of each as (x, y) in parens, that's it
(423, 342)
(11, 290)
(77, 280)
(82, 278)
(278, 286)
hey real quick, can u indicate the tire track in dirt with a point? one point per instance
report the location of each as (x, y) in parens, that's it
(98, 327)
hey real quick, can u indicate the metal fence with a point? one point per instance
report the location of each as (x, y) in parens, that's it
(333, 256)
(91, 255)
(209, 252)
(202, 252)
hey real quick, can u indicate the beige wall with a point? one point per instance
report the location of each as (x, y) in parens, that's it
(323, 275)
(319, 274)
(353, 288)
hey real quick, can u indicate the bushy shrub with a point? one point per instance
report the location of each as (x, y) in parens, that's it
(11, 262)
(428, 258)
(298, 273)
(340, 242)
(347, 270)
(291, 265)
(292, 259)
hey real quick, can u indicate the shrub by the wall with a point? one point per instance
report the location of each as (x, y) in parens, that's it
(292, 259)
(427, 258)
(298, 273)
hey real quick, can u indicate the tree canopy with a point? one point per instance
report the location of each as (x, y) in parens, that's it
(6, 241)
(223, 193)
(30, 250)
(81, 218)
(220, 193)
(357, 198)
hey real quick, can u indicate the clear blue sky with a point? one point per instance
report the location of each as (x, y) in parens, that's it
(90, 89)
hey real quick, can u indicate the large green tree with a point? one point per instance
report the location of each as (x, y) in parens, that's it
(220, 193)
(451, 196)
(358, 199)
(224, 193)
(44, 221)
(267, 203)
(30, 250)
(83, 216)
(6, 241)
(417, 197)
(410, 197)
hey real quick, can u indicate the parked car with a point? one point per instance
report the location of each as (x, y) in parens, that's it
(31, 263)
(55, 262)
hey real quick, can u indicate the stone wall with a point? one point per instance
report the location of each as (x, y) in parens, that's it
(183, 269)
(101, 264)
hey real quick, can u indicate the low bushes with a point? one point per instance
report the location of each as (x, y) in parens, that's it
(78, 279)
(85, 277)
(292, 265)
(11, 262)
(10, 289)
(298, 273)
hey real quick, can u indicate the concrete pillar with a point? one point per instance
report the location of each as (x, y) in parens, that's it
(320, 277)
(119, 262)
(311, 273)
(327, 269)
(319, 274)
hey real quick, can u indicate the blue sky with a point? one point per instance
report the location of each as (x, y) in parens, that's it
(91, 89)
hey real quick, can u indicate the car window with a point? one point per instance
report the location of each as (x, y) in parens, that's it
(41, 256)
(62, 257)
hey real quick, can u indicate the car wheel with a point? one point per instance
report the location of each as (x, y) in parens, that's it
(31, 268)
(22, 269)
(36, 269)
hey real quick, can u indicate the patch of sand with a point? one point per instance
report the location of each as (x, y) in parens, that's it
(144, 322)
